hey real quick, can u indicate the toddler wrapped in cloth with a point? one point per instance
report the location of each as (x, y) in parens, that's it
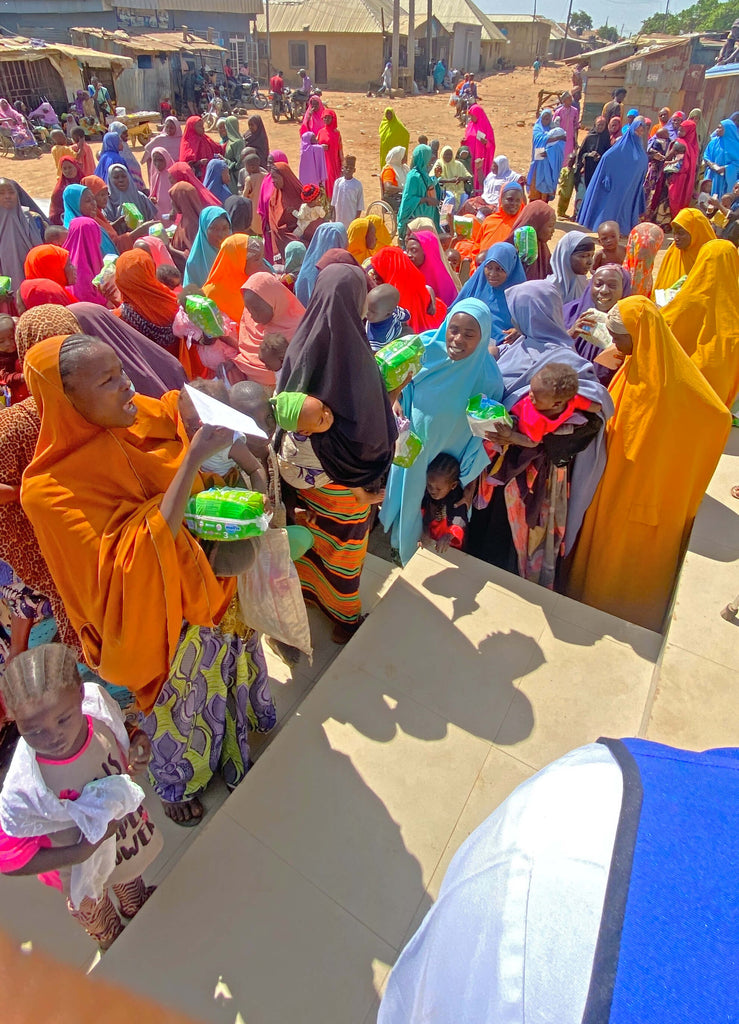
(299, 416)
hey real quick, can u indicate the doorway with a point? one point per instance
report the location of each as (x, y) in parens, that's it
(320, 69)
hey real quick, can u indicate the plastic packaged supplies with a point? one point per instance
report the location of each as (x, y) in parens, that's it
(463, 226)
(484, 415)
(398, 359)
(527, 244)
(226, 513)
(133, 217)
(163, 234)
(408, 446)
(206, 315)
(107, 271)
(6, 287)
(663, 296)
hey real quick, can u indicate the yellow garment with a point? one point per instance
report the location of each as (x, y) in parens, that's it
(384, 237)
(678, 262)
(357, 245)
(662, 446)
(59, 152)
(228, 276)
(702, 316)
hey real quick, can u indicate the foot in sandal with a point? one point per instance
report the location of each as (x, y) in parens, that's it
(187, 813)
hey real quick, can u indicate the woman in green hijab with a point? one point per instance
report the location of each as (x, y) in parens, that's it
(234, 148)
(422, 193)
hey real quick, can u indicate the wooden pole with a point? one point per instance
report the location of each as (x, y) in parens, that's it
(429, 17)
(396, 42)
(567, 31)
(411, 58)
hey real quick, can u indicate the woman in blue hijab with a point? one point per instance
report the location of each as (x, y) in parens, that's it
(110, 154)
(456, 366)
(616, 190)
(498, 272)
(546, 163)
(722, 151)
(216, 176)
(206, 245)
(327, 236)
(421, 193)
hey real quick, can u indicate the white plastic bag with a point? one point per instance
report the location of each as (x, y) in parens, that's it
(270, 595)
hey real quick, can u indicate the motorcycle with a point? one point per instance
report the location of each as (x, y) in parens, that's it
(250, 94)
(282, 104)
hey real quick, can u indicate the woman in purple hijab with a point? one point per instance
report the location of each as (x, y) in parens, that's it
(152, 370)
(312, 167)
(608, 284)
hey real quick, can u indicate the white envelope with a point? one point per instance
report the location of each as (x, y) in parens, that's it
(218, 414)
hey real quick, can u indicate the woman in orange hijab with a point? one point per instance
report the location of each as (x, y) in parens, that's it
(497, 226)
(228, 274)
(148, 305)
(106, 494)
(52, 263)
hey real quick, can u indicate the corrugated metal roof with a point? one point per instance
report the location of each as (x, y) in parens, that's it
(21, 48)
(723, 71)
(148, 42)
(461, 12)
(648, 51)
(219, 6)
(327, 16)
(514, 19)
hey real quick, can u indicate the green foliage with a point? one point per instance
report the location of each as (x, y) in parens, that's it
(581, 21)
(703, 16)
(608, 32)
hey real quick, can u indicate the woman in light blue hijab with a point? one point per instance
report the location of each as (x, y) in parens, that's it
(327, 236)
(499, 271)
(455, 368)
(203, 252)
(215, 172)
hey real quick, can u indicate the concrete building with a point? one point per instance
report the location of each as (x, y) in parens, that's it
(527, 37)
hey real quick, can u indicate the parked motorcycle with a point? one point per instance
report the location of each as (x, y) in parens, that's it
(250, 95)
(282, 105)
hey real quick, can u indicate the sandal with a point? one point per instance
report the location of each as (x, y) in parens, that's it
(192, 820)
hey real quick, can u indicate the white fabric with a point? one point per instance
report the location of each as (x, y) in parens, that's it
(495, 181)
(347, 200)
(29, 808)
(512, 936)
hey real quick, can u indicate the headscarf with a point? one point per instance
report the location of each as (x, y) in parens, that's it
(71, 203)
(594, 142)
(536, 310)
(477, 287)
(614, 130)
(569, 284)
(358, 448)
(497, 227)
(395, 160)
(136, 280)
(18, 235)
(730, 141)
(195, 147)
(479, 123)
(435, 401)
(496, 180)
(258, 140)
(282, 204)
(394, 267)
(42, 291)
(642, 246)
(188, 205)
(107, 232)
(83, 245)
(234, 147)
(202, 255)
(625, 162)
(416, 188)
(434, 269)
(357, 239)
(678, 262)
(651, 486)
(43, 321)
(538, 215)
(681, 185)
(130, 194)
(93, 497)
(382, 234)
(110, 154)
(170, 143)
(132, 165)
(157, 250)
(330, 136)
(152, 370)
(227, 276)
(327, 236)
(47, 261)
(56, 203)
(696, 116)
(393, 135)
(213, 180)
(333, 256)
(295, 253)
(575, 309)
(658, 124)
(240, 210)
(160, 180)
(312, 166)
(544, 171)
(268, 187)
(288, 312)
(287, 407)
(181, 171)
(702, 317)
(313, 117)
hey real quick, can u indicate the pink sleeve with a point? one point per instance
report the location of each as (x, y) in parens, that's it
(15, 853)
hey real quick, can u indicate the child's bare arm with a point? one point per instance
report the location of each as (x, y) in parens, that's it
(54, 857)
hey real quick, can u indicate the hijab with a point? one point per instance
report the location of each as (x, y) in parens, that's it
(83, 245)
(569, 284)
(536, 310)
(188, 205)
(358, 448)
(93, 496)
(357, 239)
(157, 250)
(434, 269)
(160, 180)
(235, 145)
(195, 147)
(44, 321)
(416, 187)
(478, 123)
(497, 226)
(239, 209)
(268, 187)
(327, 236)
(395, 267)
(152, 370)
(135, 277)
(495, 181)
(336, 256)
(642, 246)
(393, 135)
(107, 231)
(477, 287)
(132, 164)
(42, 291)
(169, 143)
(129, 194)
(538, 215)
(202, 255)
(396, 160)
(573, 310)
(182, 171)
(213, 180)
(678, 262)
(286, 316)
(682, 185)
(313, 117)
(312, 167)
(56, 203)
(294, 257)
(282, 204)
(258, 140)
(110, 154)
(47, 261)
(228, 275)
(626, 162)
(18, 235)
(71, 202)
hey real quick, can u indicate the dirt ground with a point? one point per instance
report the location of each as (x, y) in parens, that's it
(507, 98)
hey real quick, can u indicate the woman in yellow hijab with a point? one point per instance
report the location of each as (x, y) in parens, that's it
(693, 231)
(633, 535)
(367, 235)
(702, 316)
(392, 133)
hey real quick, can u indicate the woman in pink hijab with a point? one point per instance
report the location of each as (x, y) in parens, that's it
(181, 171)
(425, 252)
(275, 157)
(480, 140)
(156, 249)
(681, 183)
(313, 119)
(161, 161)
(83, 243)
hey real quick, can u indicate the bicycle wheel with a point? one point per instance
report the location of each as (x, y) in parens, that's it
(382, 209)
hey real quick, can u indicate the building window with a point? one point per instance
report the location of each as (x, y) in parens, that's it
(238, 50)
(298, 53)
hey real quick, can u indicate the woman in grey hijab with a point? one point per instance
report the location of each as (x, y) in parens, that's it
(22, 227)
(123, 190)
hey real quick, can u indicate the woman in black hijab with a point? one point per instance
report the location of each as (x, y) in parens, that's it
(239, 210)
(256, 138)
(594, 145)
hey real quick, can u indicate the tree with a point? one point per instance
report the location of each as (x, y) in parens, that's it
(608, 32)
(581, 22)
(703, 16)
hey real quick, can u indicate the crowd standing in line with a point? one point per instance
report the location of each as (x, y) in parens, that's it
(591, 364)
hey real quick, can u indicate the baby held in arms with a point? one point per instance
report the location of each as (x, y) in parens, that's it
(299, 416)
(551, 402)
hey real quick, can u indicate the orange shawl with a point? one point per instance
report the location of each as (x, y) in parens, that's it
(228, 275)
(136, 279)
(93, 497)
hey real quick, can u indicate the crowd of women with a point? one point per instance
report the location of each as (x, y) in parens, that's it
(578, 485)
